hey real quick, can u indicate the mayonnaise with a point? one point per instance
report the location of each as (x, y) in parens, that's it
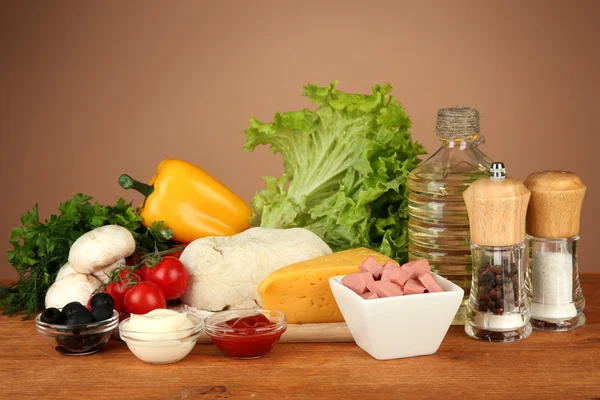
(160, 336)
(149, 326)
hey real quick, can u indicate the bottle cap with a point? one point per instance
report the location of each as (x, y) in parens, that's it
(497, 207)
(457, 123)
(555, 207)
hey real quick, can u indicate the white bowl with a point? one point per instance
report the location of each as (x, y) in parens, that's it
(399, 327)
(162, 347)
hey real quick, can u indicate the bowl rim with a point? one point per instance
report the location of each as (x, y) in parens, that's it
(337, 280)
(148, 336)
(213, 329)
(81, 327)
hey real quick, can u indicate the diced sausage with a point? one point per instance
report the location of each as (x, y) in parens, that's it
(388, 268)
(369, 295)
(385, 289)
(430, 284)
(418, 267)
(413, 286)
(358, 281)
(371, 265)
(399, 276)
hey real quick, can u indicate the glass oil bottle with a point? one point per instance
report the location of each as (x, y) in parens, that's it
(438, 226)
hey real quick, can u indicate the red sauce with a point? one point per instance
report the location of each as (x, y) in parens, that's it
(240, 338)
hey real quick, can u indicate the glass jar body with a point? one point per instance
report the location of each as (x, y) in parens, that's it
(553, 286)
(498, 309)
(438, 223)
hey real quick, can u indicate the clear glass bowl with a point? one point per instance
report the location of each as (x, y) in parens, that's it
(79, 339)
(162, 347)
(246, 342)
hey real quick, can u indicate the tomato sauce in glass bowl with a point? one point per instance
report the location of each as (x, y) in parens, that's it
(246, 333)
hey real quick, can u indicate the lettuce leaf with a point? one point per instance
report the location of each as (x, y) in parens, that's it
(346, 166)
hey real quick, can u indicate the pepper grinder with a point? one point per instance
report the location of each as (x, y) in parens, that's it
(498, 308)
(553, 287)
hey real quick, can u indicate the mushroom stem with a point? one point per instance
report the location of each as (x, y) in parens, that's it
(127, 182)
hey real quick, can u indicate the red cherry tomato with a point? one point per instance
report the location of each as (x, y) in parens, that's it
(117, 290)
(143, 272)
(134, 259)
(143, 298)
(170, 275)
(129, 278)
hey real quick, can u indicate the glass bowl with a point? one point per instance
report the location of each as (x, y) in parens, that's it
(252, 340)
(78, 339)
(162, 347)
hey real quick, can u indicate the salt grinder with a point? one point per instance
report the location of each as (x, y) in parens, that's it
(498, 308)
(557, 301)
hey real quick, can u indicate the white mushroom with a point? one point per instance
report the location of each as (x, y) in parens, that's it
(65, 270)
(101, 248)
(71, 287)
(104, 274)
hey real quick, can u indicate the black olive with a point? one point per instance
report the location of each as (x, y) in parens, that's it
(78, 344)
(53, 316)
(72, 307)
(102, 298)
(79, 317)
(102, 312)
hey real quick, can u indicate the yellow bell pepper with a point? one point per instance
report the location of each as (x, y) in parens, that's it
(190, 201)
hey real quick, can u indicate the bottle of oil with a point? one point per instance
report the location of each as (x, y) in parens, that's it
(438, 224)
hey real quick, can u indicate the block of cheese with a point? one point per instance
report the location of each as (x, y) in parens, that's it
(301, 290)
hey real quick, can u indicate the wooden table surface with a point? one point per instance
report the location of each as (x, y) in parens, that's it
(559, 365)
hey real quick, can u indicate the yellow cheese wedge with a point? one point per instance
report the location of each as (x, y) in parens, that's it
(301, 290)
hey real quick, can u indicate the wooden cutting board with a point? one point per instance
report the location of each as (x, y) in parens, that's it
(309, 333)
(337, 332)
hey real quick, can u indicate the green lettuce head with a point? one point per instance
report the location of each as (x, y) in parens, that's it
(346, 168)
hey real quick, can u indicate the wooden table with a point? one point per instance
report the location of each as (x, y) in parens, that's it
(559, 365)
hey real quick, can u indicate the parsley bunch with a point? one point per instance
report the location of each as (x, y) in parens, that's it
(40, 249)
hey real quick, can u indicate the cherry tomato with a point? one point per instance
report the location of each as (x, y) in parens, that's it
(129, 278)
(117, 290)
(143, 272)
(170, 275)
(134, 259)
(177, 254)
(143, 298)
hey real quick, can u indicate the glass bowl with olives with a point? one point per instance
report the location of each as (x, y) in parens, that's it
(76, 330)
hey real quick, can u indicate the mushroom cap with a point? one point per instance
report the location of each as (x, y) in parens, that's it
(65, 270)
(101, 247)
(104, 274)
(71, 287)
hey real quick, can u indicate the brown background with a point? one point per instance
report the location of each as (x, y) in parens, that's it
(91, 90)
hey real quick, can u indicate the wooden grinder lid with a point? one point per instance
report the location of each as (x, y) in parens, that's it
(497, 207)
(555, 206)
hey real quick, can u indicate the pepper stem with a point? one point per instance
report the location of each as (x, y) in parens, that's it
(127, 182)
